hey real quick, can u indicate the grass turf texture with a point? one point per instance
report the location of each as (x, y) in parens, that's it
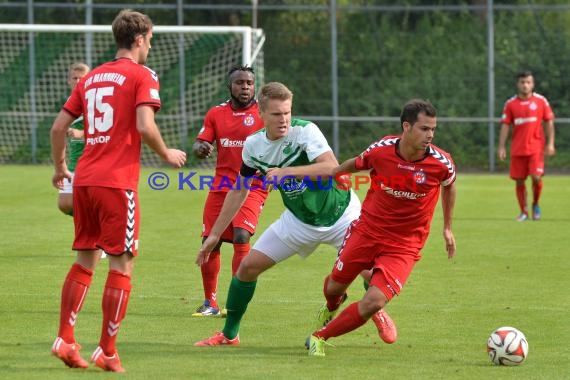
(505, 273)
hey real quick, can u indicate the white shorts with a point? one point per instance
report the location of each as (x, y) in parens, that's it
(67, 185)
(288, 235)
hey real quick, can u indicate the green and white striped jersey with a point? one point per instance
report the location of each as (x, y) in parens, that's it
(315, 202)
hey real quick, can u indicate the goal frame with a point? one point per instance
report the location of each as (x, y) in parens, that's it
(252, 41)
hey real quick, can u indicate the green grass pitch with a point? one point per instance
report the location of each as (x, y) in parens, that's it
(505, 273)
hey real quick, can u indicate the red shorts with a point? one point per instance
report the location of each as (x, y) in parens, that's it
(246, 218)
(523, 166)
(106, 218)
(391, 265)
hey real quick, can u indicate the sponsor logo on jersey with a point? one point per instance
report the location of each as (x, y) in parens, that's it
(227, 143)
(97, 140)
(420, 177)
(524, 120)
(406, 167)
(402, 193)
(248, 121)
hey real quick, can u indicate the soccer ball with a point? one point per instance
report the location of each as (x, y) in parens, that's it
(507, 346)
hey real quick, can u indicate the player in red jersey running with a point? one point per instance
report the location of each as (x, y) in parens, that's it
(229, 124)
(526, 112)
(407, 174)
(118, 101)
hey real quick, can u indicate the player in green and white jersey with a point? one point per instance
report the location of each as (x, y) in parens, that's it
(76, 143)
(295, 157)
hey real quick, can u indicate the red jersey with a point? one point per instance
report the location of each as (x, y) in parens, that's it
(526, 117)
(400, 202)
(108, 98)
(229, 127)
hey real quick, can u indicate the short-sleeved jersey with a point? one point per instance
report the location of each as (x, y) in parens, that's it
(317, 203)
(229, 128)
(108, 97)
(400, 202)
(526, 117)
(76, 145)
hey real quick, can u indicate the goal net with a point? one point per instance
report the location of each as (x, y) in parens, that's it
(191, 61)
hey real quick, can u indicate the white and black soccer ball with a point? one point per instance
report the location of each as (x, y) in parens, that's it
(507, 346)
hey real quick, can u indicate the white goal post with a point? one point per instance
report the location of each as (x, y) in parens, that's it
(191, 62)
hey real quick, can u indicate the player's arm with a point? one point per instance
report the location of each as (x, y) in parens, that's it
(322, 166)
(448, 203)
(549, 149)
(202, 149)
(233, 202)
(58, 142)
(348, 166)
(151, 136)
(503, 135)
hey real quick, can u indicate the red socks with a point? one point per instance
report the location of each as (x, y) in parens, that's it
(114, 304)
(240, 251)
(210, 270)
(349, 319)
(521, 197)
(73, 294)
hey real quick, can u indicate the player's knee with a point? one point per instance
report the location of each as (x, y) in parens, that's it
(373, 300)
(65, 208)
(335, 289)
(247, 270)
(241, 236)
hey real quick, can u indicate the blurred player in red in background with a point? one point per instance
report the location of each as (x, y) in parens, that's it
(118, 101)
(393, 226)
(526, 112)
(229, 124)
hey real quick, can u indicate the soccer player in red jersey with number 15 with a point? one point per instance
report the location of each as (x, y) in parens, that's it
(118, 101)
(394, 222)
(526, 112)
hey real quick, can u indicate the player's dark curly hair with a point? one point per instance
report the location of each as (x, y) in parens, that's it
(235, 68)
(413, 108)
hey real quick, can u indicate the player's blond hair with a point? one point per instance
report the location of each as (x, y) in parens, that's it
(78, 66)
(273, 90)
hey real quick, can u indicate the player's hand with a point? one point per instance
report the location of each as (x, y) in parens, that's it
(207, 246)
(449, 243)
(265, 185)
(549, 150)
(175, 158)
(205, 150)
(59, 176)
(75, 133)
(273, 176)
(502, 153)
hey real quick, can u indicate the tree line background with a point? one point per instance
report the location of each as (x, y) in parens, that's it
(388, 52)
